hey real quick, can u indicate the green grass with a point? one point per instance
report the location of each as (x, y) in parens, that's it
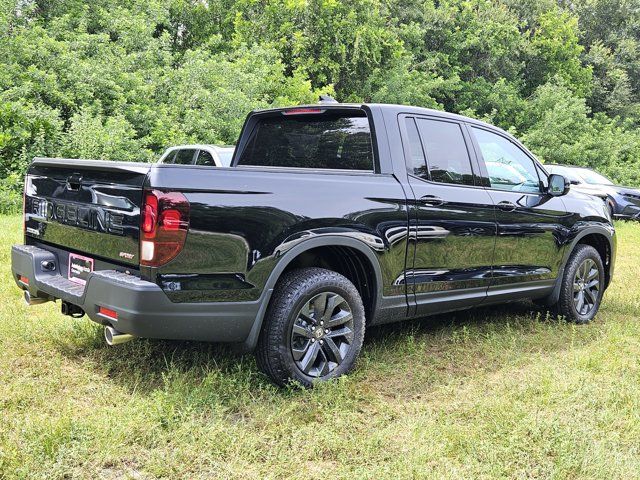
(490, 393)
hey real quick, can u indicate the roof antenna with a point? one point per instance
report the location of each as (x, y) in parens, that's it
(327, 99)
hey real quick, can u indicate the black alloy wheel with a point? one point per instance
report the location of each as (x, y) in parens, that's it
(582, 286)
(586, 287)
(313, 329)
(322, 334)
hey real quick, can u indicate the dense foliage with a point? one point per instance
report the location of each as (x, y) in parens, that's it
(120, 79)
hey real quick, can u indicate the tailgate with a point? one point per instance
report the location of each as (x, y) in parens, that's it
(86, 206)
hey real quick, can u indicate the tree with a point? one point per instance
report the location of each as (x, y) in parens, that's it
(124, 79)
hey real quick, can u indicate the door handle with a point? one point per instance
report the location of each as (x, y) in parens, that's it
(431, 200)
(507, 206)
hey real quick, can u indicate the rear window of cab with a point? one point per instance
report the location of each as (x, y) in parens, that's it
(325, 140)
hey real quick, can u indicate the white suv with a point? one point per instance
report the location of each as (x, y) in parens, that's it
(212, 155)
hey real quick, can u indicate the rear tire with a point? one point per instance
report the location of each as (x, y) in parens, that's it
(313, 330)
(582, 285)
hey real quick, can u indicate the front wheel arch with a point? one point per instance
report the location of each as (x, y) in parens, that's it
(602, 240)
(603, 247)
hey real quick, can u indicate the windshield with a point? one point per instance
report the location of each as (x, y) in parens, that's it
(593, 178)
(566, 172)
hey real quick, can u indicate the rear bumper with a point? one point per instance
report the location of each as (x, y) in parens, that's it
(142, 307)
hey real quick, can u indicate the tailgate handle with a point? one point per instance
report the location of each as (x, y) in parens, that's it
(74, 181)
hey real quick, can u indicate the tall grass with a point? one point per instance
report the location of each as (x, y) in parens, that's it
(489, 393)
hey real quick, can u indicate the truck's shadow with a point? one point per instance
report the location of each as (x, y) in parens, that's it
(144, 365)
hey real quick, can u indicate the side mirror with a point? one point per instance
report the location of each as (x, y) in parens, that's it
(575, 182)
(558, 185)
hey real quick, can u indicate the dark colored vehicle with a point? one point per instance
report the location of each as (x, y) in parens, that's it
(331, 218)
(623, 202)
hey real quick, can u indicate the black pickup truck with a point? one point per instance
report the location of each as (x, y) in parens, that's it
(331, 218)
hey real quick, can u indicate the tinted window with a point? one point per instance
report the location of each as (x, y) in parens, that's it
(328, 140)
(205, 158)
(508, 166)
(184, 157)
(446, 151)
(416, 163)
(170, 158)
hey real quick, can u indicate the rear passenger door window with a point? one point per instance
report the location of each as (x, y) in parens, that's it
(445, 158)
(416, 161)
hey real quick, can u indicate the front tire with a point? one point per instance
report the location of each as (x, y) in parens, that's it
(313, 330)
(582, 285)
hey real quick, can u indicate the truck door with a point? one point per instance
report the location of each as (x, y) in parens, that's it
(529, 246)
(451, 217)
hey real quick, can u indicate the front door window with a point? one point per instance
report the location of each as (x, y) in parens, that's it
(509, 168)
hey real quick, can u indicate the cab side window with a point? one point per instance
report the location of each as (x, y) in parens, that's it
(439, 152)
(509, 168)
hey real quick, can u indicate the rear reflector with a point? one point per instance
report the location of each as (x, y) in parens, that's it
(302, 111)
(108, 313)
(24, 280)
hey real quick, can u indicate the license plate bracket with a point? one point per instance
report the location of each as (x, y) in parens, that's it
(79, 268)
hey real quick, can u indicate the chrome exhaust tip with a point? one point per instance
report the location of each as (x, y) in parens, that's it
(29, 300)
(114, 337)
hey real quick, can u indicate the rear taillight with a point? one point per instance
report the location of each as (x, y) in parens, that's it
(164, 226)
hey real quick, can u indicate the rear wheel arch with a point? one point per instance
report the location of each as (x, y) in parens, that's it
(347, 261)
(313, 329)
(348, 256)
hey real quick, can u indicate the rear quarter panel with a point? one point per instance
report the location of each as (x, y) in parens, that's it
(244, 220)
